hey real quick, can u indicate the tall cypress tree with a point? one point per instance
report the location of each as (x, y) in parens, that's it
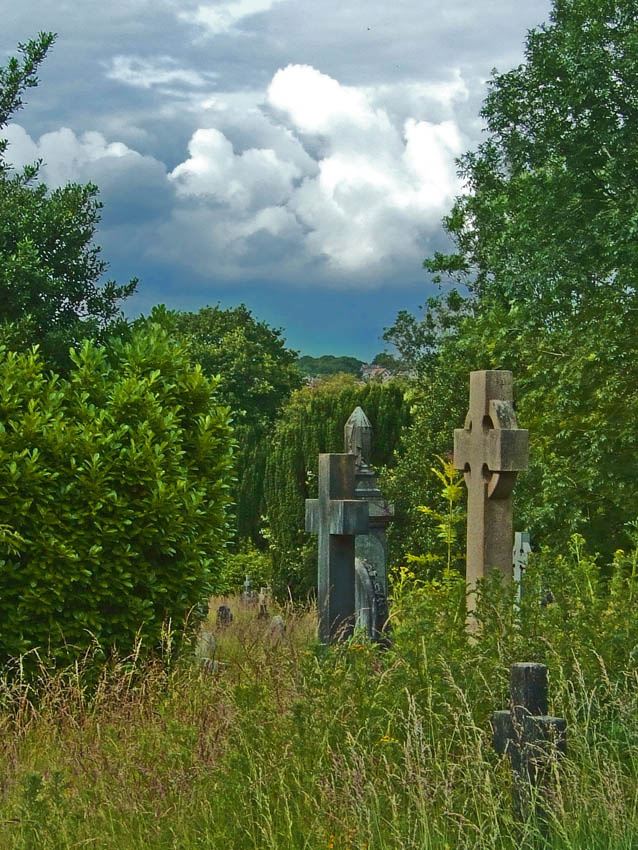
(311, 423)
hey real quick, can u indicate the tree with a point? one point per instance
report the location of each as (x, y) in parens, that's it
(256, 372)
(328, 364)
(114, 491)
(49, 268)
(551, 218)
(386, 361)
(546, 244)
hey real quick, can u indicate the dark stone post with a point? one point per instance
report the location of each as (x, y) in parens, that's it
(337, 517)
(528, 735)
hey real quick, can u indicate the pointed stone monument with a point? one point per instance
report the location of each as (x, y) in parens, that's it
(337, 517)
(491, 449)
(371, 549)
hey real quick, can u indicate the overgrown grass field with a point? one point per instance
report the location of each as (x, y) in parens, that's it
(290, 746)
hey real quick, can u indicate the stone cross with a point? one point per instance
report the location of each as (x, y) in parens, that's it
(371, 549)
(520, 557)
(490, 450)
(337, 517)
(248, 593)
(529, 736)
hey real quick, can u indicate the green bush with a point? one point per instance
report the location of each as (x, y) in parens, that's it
(237, 566)
(113, 496)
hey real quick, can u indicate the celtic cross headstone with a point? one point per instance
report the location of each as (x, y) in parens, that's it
(337, 517)
(491, 449)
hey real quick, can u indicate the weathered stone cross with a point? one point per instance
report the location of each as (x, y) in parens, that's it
(490, 450)
(529, 736)
(337, 517)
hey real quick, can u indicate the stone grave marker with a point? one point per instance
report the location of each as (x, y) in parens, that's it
(248, 594)
(520, 558)
(491, 449)
(337, 517)
(262, 601)
(529, 736)
(277, 626)
(371, 549)
(224, 616)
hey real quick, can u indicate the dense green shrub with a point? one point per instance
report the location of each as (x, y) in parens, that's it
(113, 495)
(238, 565)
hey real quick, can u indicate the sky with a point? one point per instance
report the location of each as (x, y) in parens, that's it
(291, 155)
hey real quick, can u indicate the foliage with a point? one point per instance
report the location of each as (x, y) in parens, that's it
(353, 747)
(452, 492)
(256, 374)
(237, 565)
(545, 242)
(313, 422)
(328, 364)
(49, 268)
(113, 496)
(550, 220)
(387, 361)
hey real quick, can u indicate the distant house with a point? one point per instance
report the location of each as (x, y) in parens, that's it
(375, 373)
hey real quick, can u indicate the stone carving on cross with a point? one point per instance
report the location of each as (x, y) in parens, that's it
(358, 438)
(491, 449)
(337, 517)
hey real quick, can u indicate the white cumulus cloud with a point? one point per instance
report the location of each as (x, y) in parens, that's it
(222, 17)
(368, 191)
(147, 73)
(64, 154)
(253, 179)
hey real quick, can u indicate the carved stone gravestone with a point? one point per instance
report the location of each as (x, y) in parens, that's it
(224, 616)
(248, 594)
(491, 449)
(337, 517)
(371, 549)
(529, 736)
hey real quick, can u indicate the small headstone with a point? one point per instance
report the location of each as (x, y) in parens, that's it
(528, 735)
(491, 449)
(207, 644)
(224, 616)
(206, 652)
(277, 626)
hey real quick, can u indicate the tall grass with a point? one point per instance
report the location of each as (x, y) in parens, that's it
(291, 746)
